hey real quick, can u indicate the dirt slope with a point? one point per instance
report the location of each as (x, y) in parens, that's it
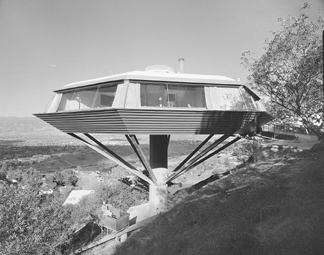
(269, 207)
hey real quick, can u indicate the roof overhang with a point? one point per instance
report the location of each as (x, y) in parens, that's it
(155, 76)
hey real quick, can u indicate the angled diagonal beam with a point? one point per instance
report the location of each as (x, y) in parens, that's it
(78, 137)
(193, 153)
(112, 156)
(108, 150)
(140, 154)
(197, 157)
(124, 163)
(209, 155)
(216, 151)
(208, 149)
(136, 139)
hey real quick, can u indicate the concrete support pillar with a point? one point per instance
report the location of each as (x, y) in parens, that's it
(159, 163)
(158, 197)
(159, 151)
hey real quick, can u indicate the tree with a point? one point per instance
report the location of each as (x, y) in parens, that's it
(4, 168)
(65, 177)
(290, 72)
(31, 223)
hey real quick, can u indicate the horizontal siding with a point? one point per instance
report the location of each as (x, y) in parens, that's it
(149, 121)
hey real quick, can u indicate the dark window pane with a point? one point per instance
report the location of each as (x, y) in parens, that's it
(106, 96)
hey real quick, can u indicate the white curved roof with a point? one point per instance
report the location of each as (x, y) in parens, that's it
(156, 76)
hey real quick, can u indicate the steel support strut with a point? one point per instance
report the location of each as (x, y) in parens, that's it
(193, 153)
(158, 155)
(179, 170)
(107, 153)
(212, 154)
(200, 158)
(141, 156)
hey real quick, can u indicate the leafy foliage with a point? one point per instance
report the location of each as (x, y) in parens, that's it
(290, 72)
(4, 168)
(66, 177)
(122, 196)
(118, 195)
(32, 223)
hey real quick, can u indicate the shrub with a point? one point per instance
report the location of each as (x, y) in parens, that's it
(243, 148)
(118, 195)
(66, 177)
(32, 223)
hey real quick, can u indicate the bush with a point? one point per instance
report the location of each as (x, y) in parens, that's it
(32, 223)
(243, 148)
(38, 224)
(118, 195)
(121, 196)
(65, 177)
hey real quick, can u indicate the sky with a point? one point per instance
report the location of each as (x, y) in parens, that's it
(46, 44)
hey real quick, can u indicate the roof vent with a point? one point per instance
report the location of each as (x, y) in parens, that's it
(181, 65)
(159, 69)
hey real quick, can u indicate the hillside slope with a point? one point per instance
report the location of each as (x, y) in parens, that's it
(269, 207)
(22, 124)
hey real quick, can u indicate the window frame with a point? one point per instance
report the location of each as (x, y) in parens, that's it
(95, 87)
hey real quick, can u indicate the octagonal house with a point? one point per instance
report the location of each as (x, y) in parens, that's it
(158, 103)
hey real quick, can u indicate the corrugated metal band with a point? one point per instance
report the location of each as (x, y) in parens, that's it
(149, 121)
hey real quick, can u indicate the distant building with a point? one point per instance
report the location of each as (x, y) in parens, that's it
(76, 195)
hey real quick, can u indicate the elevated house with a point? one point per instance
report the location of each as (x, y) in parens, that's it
(148, 102)
(157, 102)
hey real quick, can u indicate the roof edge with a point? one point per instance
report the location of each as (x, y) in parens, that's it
(151, 75)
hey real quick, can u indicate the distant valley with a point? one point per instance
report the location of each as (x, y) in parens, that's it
(24, 124)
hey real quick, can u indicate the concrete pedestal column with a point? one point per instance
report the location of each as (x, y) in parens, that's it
(159, 151)
(158, 197)
(159, 163)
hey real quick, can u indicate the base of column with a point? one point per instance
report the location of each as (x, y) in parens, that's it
(158, 197)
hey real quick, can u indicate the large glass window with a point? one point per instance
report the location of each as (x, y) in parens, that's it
(172, 95)
(90, 98)
(248, 100)
(151, 94)
(105, 97)
(230, 99)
